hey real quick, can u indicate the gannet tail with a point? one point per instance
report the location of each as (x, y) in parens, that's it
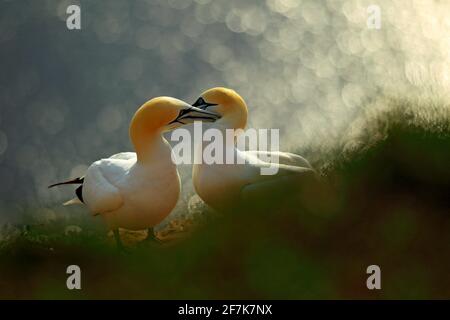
(78, 191)
(72, 202)
(78, 180)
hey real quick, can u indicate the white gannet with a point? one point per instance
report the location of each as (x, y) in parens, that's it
(221, 185)
(137, 191)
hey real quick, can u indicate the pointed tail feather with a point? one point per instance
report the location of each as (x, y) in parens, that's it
(72, 202)
(78, 180)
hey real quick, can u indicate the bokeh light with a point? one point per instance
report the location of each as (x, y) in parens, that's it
(311, 68)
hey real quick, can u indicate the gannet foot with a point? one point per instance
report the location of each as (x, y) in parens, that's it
(120, 247)
(151, 237)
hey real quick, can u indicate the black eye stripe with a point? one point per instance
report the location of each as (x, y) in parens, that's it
(200, 101)
(180, 114)
(183, 112)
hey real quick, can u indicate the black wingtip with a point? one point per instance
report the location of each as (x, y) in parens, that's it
(78, 180)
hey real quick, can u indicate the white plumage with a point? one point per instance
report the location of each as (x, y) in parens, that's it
(130, 194)
(138, 190)
(221, 185)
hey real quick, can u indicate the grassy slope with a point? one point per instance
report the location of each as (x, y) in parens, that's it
(383, 200)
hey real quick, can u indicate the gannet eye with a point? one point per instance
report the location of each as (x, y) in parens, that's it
(200, 102)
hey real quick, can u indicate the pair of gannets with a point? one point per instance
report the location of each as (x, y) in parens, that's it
(137, 191)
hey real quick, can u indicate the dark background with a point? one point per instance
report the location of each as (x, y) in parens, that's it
(369, 108)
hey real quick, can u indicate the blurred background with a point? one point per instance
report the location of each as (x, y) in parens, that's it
(368, 107)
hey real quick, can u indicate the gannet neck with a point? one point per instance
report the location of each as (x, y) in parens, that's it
(145, 134)
(228, 141)
(235, 120)
(149, 145)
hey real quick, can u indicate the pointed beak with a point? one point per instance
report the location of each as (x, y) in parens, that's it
(191, 114)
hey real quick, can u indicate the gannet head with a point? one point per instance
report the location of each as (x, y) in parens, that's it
(227, 103)
(165, 114)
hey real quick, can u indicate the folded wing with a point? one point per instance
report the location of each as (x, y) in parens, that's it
(99, 193)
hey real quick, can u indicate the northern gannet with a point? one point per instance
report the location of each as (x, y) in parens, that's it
(222, 185)
(137, 191)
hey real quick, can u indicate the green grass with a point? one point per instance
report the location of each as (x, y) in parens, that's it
(382, 202)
